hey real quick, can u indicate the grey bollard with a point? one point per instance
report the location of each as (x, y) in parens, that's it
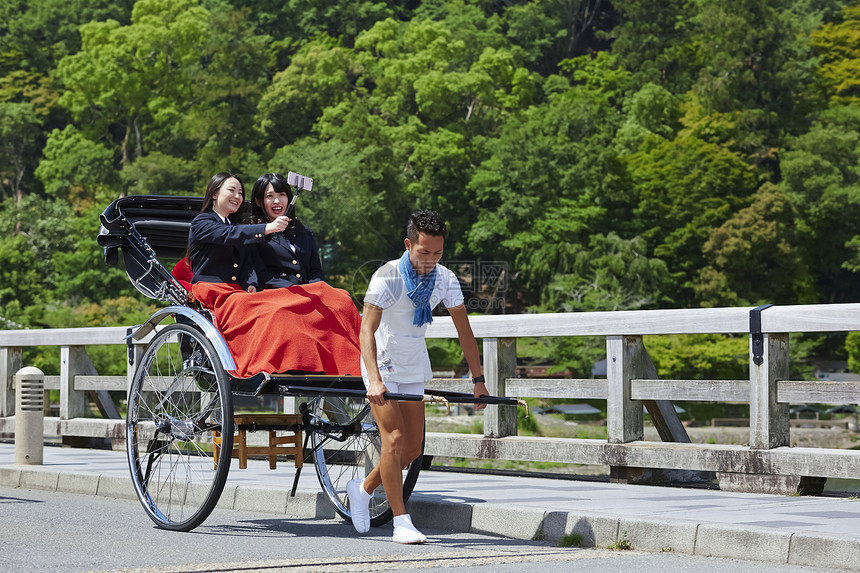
(29, 415)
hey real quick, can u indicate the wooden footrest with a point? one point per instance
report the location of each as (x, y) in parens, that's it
(289, 444)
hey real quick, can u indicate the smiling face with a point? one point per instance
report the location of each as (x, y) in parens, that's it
(274, 204)
(229, 197)
(425, 251)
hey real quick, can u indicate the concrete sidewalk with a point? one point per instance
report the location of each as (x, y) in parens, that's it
(818, 531)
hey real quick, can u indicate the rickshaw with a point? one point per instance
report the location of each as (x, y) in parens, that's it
(180, 422)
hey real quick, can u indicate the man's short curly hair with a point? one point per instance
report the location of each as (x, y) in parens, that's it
(425, 221)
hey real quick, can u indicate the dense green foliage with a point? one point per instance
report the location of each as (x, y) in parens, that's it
(613, 154)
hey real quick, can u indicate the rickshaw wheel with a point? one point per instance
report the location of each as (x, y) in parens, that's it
(180, 407)
(346, 445)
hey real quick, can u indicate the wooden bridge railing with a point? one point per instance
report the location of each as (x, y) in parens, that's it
(768, 463)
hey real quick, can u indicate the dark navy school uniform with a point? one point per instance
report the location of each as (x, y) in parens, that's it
(220, 252)
(290, 258)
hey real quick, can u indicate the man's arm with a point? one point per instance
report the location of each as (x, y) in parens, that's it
(470, 348)
(370, 319)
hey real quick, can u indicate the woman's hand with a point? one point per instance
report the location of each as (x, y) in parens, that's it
(376, 392)
(278, 225)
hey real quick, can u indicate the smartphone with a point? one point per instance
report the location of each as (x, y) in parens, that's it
(300, 181)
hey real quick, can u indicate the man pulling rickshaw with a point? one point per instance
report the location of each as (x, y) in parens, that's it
(359, 432)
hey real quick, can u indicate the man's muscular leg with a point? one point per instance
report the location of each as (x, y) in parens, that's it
(401, 429)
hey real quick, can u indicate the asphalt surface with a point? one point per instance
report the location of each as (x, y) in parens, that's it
(73, 533)
(822, 532)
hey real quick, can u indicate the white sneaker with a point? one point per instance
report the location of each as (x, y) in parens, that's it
(405, 532)
(359, 505)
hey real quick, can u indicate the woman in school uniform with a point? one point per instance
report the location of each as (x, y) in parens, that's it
(291, 256)
(306, 328)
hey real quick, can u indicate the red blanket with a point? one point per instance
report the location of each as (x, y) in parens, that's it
(182, 273)
(311, 328)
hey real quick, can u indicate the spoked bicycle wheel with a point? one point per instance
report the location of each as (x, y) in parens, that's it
(346, 445)
(179, 401)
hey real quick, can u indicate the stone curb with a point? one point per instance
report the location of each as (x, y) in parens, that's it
(823, 551)
(730, 541)
(678, 536)
(583, 530)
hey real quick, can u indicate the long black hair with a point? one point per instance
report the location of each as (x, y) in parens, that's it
(212, 189)
(258, 192)
(209, 201)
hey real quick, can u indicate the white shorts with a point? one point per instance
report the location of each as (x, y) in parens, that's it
(398, 388)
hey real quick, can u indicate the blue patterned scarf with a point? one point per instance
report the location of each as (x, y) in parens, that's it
(418, 289)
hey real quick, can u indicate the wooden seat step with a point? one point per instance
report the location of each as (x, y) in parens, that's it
(289, 444)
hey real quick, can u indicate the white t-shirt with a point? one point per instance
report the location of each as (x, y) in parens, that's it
(400, 349)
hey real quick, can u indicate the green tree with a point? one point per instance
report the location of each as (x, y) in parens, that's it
(179, 80)
(537, 199)
(31, 232)
(76, 168)
(40, 32)
(822, 179)
(124, 75)
(351, 207)
(551, 178)
(296, 22)
(650, 111)
(404, 113)
(542, 145)
(754, 257)
(700, 356)
(212, 123)
(684, 188)
(34, 36)
(160, 174)
(20, 276)
(749, 59)
(19, 132)
(838, 47)
(821, 172)
(748, 53)
(80, 273)
(607, 274)
(652, 41)
(852, 346)
(319, 77)
(550, 32)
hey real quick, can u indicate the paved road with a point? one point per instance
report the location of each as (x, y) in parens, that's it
(63, 532)
(823, 532)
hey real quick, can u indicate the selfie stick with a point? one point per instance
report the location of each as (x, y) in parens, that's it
(299, 182)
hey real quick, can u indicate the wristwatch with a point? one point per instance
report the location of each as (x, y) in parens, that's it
(478, 379)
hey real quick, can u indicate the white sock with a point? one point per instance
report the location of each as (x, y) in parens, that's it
(364, 491)
(403, 521)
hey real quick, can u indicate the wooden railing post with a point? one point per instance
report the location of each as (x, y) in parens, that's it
(74, 361)
(624, 417)
(500, 363)
(11, 359)
(769, 419)
(770, 423)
